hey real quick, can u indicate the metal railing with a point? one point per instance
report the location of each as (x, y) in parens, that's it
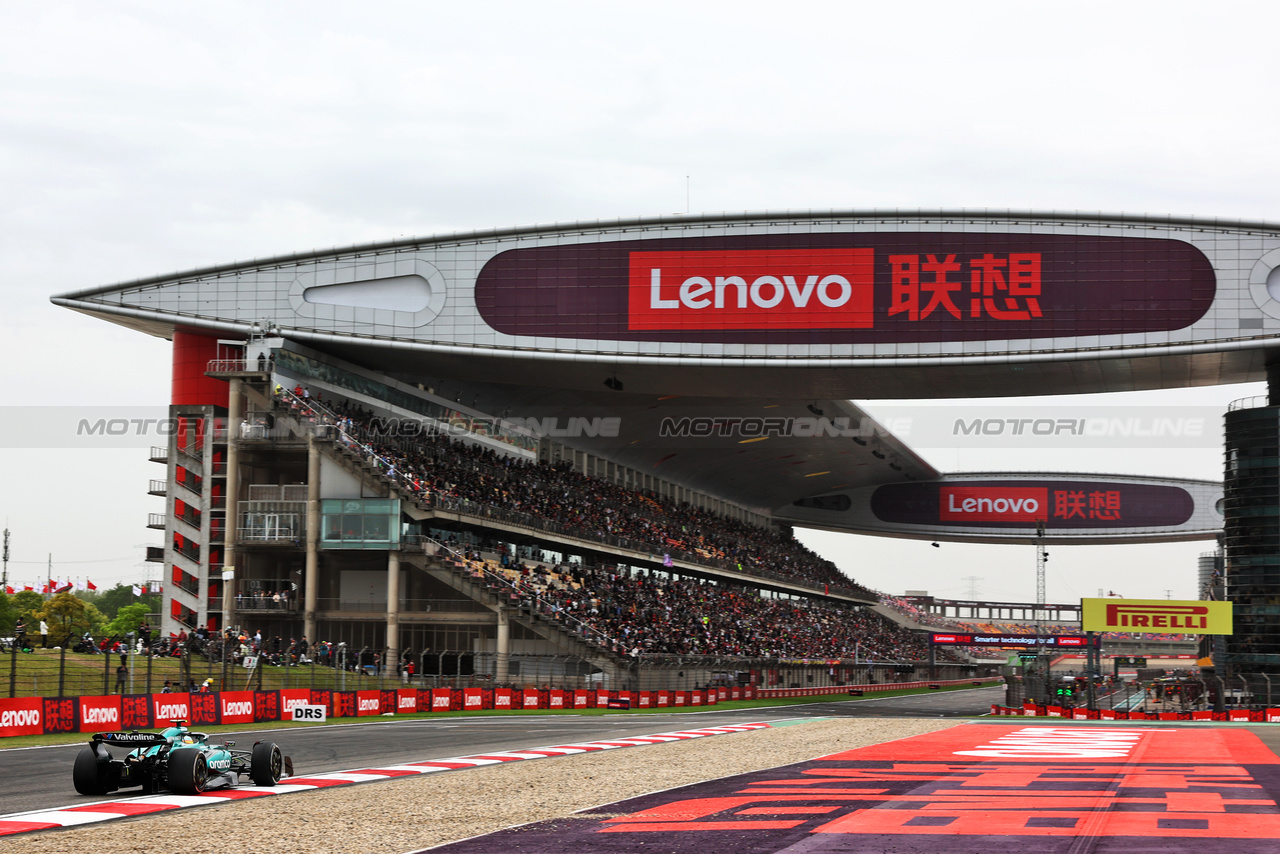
(522, 593)
(1256, 402)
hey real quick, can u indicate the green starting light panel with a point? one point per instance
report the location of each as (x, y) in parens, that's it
(1130, 661)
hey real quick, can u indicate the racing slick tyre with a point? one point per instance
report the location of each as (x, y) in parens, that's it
(188, 772)
(90, 775)
(267, 764)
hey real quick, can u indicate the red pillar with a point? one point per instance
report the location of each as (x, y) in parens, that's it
(192, 353)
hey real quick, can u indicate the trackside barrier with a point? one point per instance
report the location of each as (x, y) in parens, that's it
(52, 715)
(774, 693)
(1237, 715)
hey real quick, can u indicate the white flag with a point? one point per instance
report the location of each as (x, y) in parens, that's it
(137, 591)
(79, 586)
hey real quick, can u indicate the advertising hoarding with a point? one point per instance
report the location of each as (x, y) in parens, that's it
(1157, 615)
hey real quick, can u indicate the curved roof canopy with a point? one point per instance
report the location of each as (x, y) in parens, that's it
(674, 323)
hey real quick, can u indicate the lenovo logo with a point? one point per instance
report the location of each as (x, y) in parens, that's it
(20, 717)
(241, 707)
(751, 289)
(102, 715)
(1157, 616)
(166, 711)
(991, 503)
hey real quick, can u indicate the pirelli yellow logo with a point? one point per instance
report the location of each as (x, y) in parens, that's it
(1156, 615)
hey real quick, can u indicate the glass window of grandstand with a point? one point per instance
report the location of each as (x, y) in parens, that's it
(359, 523)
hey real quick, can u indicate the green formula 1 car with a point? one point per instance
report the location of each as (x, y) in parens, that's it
(176, 759)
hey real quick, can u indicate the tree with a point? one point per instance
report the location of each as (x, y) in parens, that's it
(26, 604)
(127, 619)
(68, 617)
(109, 602)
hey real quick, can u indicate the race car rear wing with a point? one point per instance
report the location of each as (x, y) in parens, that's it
(131, 739)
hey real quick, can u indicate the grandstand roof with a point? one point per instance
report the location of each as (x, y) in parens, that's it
(763, 327)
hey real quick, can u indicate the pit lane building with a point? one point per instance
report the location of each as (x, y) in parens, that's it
(712, 360)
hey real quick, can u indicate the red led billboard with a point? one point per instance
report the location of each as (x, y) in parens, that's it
(1024, 641)
(847, 288)
(1060, 503)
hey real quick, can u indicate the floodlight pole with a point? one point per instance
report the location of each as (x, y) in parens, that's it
(1041, 558)
(1043, 665)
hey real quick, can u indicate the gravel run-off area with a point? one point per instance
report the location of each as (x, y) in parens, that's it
(411, 813)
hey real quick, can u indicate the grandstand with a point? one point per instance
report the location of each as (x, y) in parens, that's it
(502, 554)
(590, 440)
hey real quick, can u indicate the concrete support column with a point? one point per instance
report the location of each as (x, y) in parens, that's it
(501, 667)
(311, 578)
(393, 611)
(234, 416)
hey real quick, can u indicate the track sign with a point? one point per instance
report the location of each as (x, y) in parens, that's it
(310, 714)
(1195, 617)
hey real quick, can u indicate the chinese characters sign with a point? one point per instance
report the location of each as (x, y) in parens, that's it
(847, 288)
(1004, 288)
(1023, 503)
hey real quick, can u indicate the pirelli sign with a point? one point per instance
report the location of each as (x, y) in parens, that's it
(1156, 615)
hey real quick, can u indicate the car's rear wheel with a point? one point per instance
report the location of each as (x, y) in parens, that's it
(267, 764)
(188, 772)
(90, 775)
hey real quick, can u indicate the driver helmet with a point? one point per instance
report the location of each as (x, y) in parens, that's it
(186, 739)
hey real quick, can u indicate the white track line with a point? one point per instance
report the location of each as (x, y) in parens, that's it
(78, 814)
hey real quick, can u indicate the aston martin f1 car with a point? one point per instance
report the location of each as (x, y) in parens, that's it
(176, 759)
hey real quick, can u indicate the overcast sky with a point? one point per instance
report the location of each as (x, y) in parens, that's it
(139, 138)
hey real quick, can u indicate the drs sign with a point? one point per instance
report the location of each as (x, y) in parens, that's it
(309, 714)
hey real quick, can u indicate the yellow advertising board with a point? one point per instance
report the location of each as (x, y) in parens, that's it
(1158, 616)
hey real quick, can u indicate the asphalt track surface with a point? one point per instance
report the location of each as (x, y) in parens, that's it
(40, 778)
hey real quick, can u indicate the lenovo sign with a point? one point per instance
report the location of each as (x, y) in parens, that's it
(1016, 641)
(845, 287)
(1063, 504)
(992, 504)
(761, 289)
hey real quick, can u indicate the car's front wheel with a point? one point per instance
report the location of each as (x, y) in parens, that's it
(267, 764)
(188, 772)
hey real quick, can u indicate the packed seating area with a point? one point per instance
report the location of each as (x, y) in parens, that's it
(635, 613)
(645, 613)
(438, 469)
